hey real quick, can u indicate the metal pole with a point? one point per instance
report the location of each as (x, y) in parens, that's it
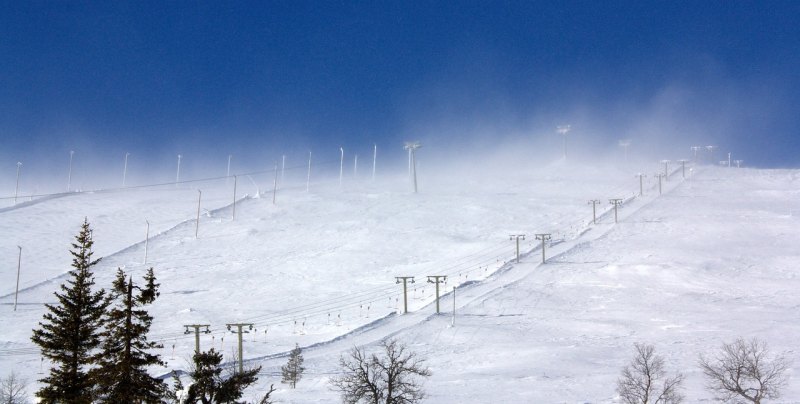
(616, 202)
(543, 255)
(544, 237)
(355, 166)
(69, 176)
(711, 154)
(283, 166)
(625, 144)
(695, 149)
(16, 187)
(594, 203)
(235, 181)
(412, 160)
(454, 306)
(409, 162)
(308, 176)
(228, 172)
(437, 279)
(275, 184)
(341, 166)
(178, 175)
(641, 184)
(405, 297)
(239, 331)
(19, 265)
(197, 224)
(563, 129)
(397, 279)
(374, 159)
(241, 354)
(437, 297)
(125, 170)
(146, 241)
(517, 237)
(196, 334)
(414, 167)
(511, 237)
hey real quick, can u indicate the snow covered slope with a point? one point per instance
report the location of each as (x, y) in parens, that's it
(710, 260)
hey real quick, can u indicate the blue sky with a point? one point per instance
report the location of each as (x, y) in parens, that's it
(157, 78)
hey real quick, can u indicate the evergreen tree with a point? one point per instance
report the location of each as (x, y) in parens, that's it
(208, 384)
(69, 334)
(172, 395)
(292, 371)
(122, 374)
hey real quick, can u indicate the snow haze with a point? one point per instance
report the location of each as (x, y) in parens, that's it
(710, 260)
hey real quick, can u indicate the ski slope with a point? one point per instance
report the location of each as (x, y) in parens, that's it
(710, 260)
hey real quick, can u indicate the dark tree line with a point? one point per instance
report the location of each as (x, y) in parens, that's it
(97, 342)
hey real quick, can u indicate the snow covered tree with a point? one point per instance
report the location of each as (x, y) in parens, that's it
(173, 394)
(208, 384)
(69, 334)
(644, 380)
(292, 371)
(12, 390)
(372, 379)
(126, 354)
(745, 370)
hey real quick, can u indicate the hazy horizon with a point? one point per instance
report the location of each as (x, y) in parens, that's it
(259, 81)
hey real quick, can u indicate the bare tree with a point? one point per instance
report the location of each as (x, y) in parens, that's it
(392, 379)
(745, 370)
(12, 390)
(644, 380)
(266, 398)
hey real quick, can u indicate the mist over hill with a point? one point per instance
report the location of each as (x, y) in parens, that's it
(313, 261)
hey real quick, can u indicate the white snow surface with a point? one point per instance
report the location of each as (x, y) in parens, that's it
(712, 259)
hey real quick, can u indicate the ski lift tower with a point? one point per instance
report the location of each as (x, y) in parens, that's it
(625, 143)
(710, 149)
(695, 149)
(412, 160)
(563, 130)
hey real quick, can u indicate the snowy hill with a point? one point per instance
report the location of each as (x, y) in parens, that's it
(712, 259)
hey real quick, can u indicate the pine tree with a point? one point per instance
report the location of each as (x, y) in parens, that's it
(208, 384)
(69, 334)
(292, 371)
(122, 374)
